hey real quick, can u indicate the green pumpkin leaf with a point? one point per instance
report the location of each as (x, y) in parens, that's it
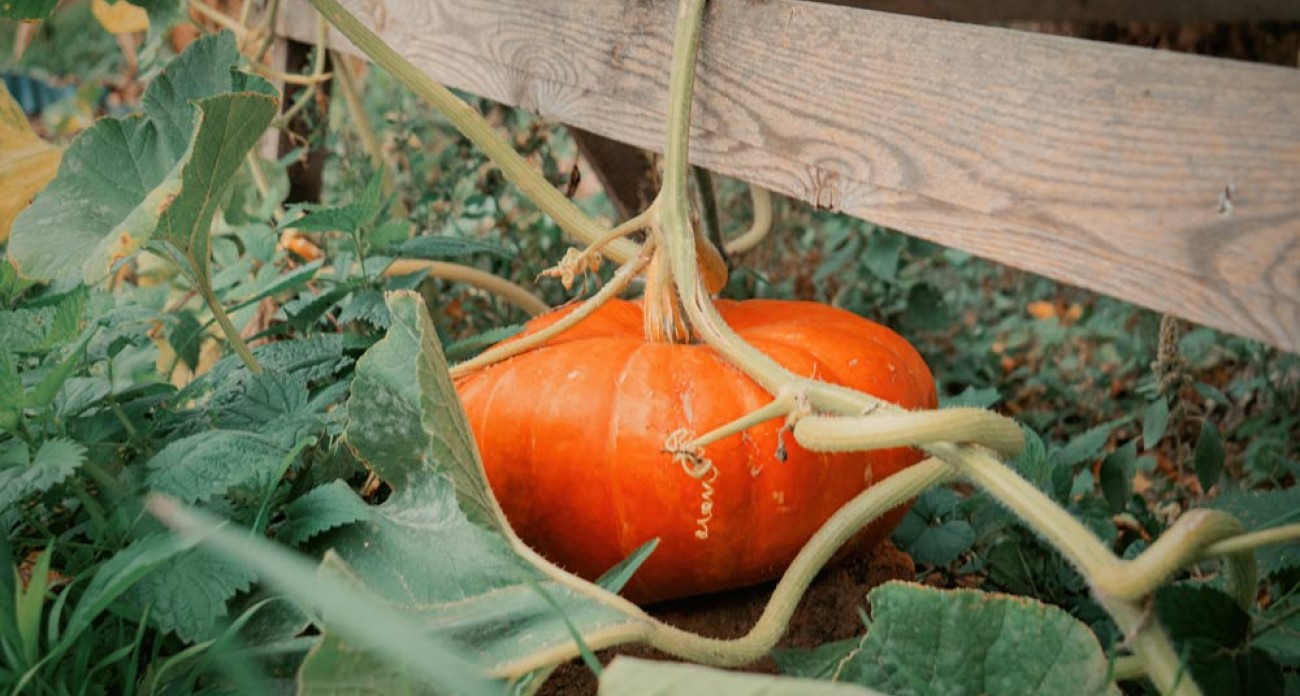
(347, 218)
(973, 397)
(927, 642)
(265, 402)
(1278, 631)
(436, 551)
(926, 309)
(185, 335)
(884, 251)
(628, 676)
(469, 347)
(366, 305)
(423, 659)
(305, 360)
(406, 421)
(1032, 462)
(1087, 446)
(159, 175)
(437, 545)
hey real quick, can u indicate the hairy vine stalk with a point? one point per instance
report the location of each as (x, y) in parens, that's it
(233, 336)
(761, 199)
(458, 272)
(622, 278)
(962, 443)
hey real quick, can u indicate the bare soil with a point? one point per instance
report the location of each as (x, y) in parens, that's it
(829, 612)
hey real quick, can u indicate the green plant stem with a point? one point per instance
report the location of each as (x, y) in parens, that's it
(92, 506)
(460, 273)
(1129, 668)
(1152, 646)
(568, 216)
(357, 113)
(846, 522)
(909, 428)
(317, 76)
(1180, 545)
(1287, 533)
(622, 278)
(227, 327)
(759, 228)
(107, 481)
(122, 419)
(265, 28)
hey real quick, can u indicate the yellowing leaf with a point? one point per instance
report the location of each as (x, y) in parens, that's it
(120, 17)
(1041, 309)
(27, 163)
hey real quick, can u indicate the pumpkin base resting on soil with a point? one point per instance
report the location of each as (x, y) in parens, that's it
(572, 435)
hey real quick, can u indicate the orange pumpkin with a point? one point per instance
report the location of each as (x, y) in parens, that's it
(573, 433)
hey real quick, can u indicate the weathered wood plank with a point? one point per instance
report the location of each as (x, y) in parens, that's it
(1085, 10)
(1172, 181)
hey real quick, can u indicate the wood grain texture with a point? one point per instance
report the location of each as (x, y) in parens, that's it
(1172, 181)
(1085, 10)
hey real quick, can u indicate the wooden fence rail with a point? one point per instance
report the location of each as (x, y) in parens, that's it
(1087, 10)
(1168, 180)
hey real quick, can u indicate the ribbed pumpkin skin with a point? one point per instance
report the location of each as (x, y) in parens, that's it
(572, 435)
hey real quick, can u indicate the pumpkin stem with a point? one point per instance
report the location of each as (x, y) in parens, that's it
(661, 310)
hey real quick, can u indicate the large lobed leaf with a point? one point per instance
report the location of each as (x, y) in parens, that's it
(157, 175)
(27, 163)
(927, 642)
(406, 420)
(436, 549)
